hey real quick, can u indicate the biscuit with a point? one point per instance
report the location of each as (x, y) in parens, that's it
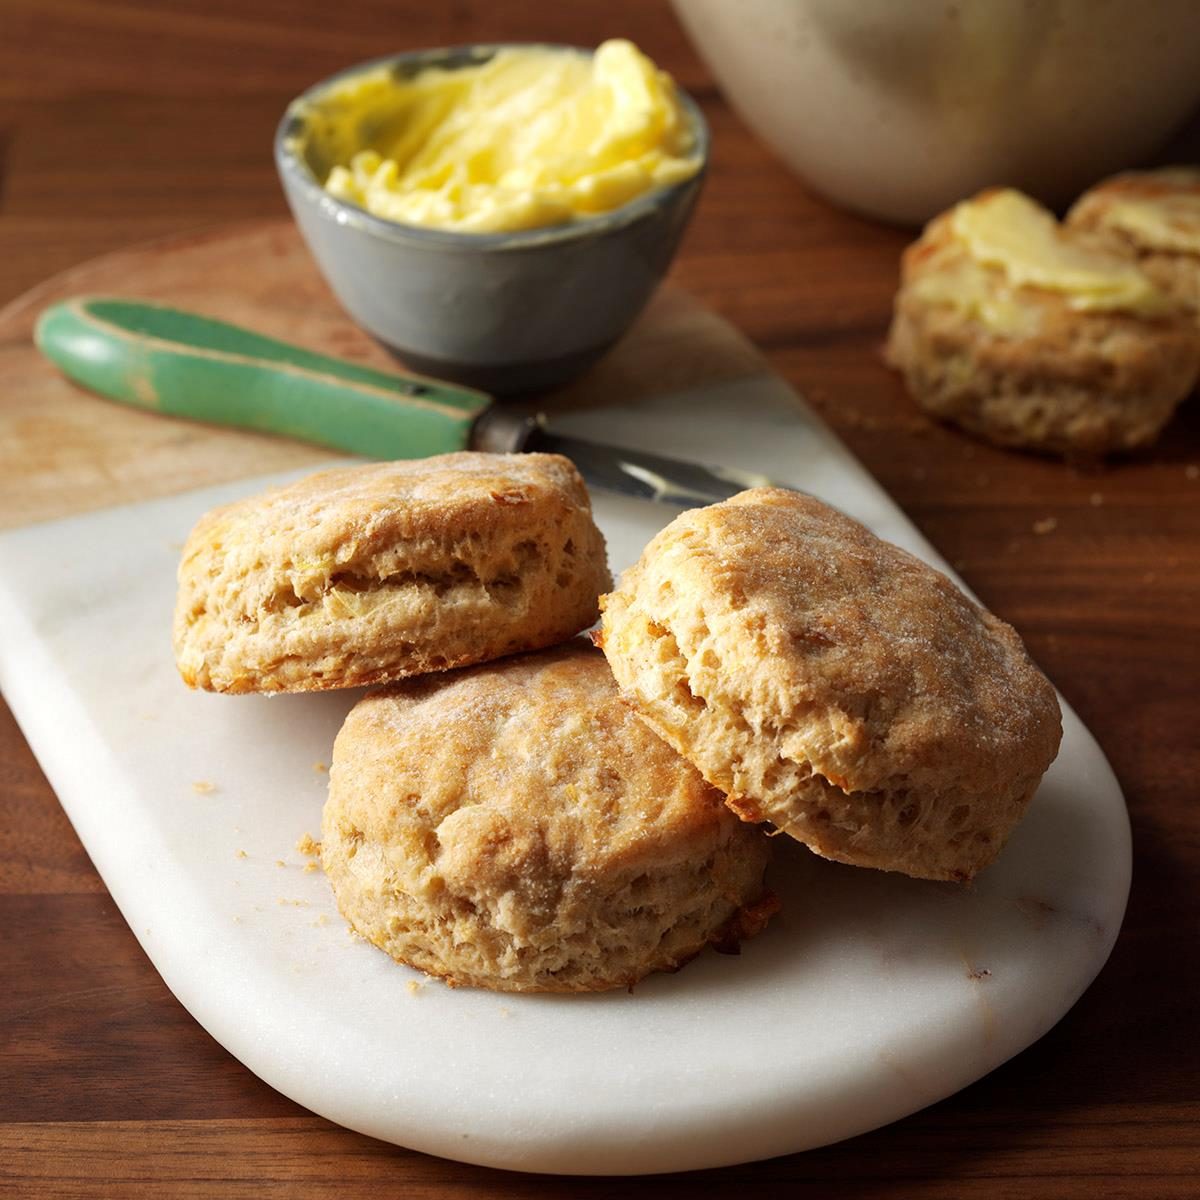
(1026, 366)
(516, 827)
(1154, 218)
(362, 574)
(832, 684)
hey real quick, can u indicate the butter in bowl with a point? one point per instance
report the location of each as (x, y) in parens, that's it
(495, 215)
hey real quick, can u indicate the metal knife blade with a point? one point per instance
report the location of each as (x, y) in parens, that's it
(649, 476)
(637, 473)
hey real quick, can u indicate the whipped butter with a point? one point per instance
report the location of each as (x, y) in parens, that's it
(533, 137)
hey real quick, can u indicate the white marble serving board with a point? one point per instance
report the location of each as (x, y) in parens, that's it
(868, 997)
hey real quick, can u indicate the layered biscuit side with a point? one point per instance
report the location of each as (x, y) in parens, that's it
(341, 581)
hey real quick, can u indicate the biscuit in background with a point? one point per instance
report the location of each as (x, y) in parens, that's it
(516, 827)
(1032, 335)
(362, 574)
(1152, 217)
(832, 684)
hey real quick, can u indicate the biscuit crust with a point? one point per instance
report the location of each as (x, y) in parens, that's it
(516, 827)
(833, 684)
(363, 574)
(1082, 384)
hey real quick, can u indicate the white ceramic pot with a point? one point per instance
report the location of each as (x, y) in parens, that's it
(898, 108)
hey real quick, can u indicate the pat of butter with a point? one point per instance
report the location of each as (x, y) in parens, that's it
(531, 138)
(1163, 213)
(1009, 232)
(962, 284)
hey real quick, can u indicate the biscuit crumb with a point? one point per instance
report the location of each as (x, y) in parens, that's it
(414, 987)
(280, 863)
(1192, 471)
(1045, 525)
(311, 866)
(1095, 499)
(506, 1012)
(241, 854)
(308, 846)
(292, 903)
(320, 767)
(204, 787)
(320, 922)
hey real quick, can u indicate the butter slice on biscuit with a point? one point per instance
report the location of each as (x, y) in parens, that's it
(1035, 335)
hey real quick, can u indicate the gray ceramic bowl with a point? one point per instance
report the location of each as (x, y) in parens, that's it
(505, 312)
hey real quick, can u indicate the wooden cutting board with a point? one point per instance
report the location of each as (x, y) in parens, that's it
(63, 451)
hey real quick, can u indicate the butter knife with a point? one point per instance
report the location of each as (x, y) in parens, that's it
(181, 364)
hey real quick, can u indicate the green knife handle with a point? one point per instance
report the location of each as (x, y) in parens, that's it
(190, 366)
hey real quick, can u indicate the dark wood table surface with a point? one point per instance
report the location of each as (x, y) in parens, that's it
(130, 119)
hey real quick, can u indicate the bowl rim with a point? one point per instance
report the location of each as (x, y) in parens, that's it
(292, 167)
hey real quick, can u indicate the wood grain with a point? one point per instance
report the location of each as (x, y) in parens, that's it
(132, 119)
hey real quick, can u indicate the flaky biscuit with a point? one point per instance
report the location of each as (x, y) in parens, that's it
(515, 826)
(1167, 248)
(1066, 381)
(832, 684)
(362, 574)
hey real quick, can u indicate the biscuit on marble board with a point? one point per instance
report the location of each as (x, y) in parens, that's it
(832, 684)
(362, 574)
(515, 826)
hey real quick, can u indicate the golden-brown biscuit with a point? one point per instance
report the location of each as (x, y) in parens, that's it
(832, 684)
(516, 827)
(1086, 362)
(1153, 217)
(362, 574)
